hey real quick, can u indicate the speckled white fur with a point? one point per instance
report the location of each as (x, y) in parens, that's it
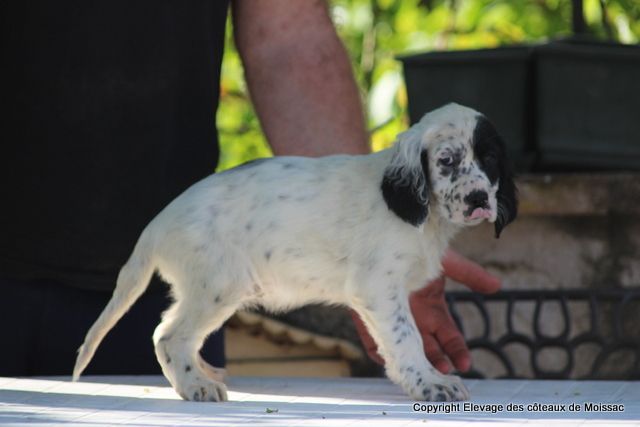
(289, 231)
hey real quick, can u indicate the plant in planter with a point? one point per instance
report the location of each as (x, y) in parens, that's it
(570, 104)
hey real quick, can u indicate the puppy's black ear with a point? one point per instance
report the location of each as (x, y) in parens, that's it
(405, 185)
(491, 152)
(506, 195)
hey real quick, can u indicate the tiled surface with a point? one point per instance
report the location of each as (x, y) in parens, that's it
(149, 401)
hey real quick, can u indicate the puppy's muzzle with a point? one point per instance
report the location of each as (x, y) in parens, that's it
(478, 202)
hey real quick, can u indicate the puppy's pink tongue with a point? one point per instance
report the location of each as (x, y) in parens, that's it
(480, 213)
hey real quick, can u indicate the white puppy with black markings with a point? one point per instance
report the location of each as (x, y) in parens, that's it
(361, 231)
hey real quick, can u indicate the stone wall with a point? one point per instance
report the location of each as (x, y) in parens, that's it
(573, 232)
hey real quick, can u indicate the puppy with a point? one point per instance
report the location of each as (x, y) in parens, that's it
(361, 231)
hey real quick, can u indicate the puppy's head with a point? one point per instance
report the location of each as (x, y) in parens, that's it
(452, 161)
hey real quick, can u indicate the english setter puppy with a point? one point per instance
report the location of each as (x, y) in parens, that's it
(361, 231)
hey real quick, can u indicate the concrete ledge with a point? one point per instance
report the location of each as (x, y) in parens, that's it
(579, 194)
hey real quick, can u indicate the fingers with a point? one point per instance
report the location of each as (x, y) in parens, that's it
(435, 354)
(469, 273)
(433, 291)
(454, 347)
(367, 341)
(443, 341)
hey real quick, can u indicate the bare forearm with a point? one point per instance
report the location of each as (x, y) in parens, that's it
(299, 77)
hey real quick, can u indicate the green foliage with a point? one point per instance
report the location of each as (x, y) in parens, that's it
(239, 130)
(376, 31)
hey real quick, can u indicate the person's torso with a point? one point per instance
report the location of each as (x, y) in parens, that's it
(111, 114)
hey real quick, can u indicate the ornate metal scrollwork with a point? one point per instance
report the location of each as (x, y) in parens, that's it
(596, 333)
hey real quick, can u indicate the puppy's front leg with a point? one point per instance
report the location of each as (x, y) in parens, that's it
(390, 323)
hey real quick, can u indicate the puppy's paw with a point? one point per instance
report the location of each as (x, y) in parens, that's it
(204, 390)
(448, 388)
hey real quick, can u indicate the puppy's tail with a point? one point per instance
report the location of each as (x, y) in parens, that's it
(132, 281)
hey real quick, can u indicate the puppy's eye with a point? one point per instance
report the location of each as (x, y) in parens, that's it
(446, 161)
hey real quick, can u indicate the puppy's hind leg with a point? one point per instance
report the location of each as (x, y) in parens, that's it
(178, 339)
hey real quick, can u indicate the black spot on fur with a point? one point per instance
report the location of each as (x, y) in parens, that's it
(187, 368)
(267, 255)
(370, 263)
(402, 195)
(249, 226)
(448, 210)
(441, 397)
(217, 298)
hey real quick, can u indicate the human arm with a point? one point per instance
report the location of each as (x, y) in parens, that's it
(299, 77)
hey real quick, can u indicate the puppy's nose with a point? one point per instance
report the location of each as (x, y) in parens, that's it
(477, 199)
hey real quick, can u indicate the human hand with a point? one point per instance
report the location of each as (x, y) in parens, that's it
(443, 342)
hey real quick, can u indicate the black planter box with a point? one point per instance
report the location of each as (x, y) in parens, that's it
(496, 82)
(559, 106)
(588, 106)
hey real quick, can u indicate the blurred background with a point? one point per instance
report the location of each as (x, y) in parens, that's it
(375, 32)
(561, 81)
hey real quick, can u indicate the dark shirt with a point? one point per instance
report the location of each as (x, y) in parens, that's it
(109, 114)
